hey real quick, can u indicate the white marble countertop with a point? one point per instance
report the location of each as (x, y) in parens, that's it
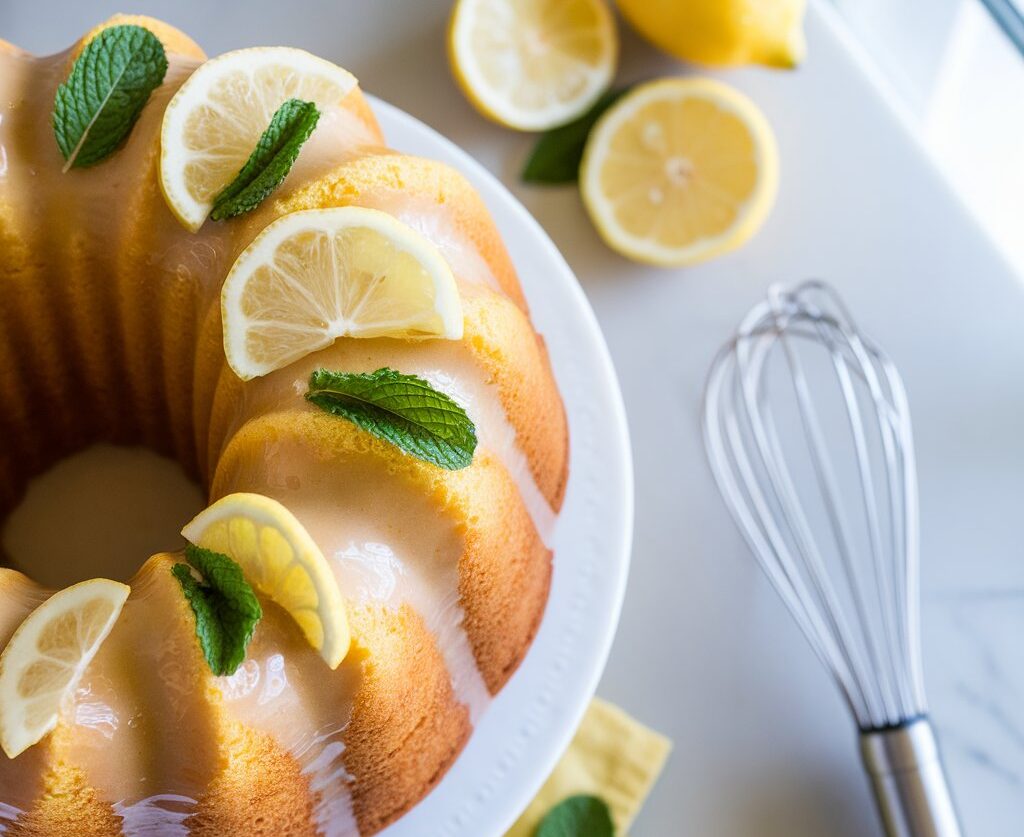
(705, 652)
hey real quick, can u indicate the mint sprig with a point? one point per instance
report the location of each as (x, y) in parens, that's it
(402, 409)
(577, 816)
(224, 604)
(556, 157)
(270, 161)
(111, 80)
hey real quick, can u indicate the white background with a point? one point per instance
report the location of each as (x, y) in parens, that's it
(705, 653)
(960, 80)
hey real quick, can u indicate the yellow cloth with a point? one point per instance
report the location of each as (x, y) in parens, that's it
(611, 756)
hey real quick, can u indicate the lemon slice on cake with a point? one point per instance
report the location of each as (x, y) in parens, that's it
(214, 121)
(280, 559)
(47, 656)
(535, 65)
(313, 276)
(679, 170)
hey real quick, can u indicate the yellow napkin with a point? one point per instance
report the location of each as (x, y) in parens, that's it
(612, 756)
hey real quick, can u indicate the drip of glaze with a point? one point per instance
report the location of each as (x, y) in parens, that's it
(330, 782)
(163, 815)
(496, 433)
(372, 572)
(435, 222)
(8, 814)
(285, 690)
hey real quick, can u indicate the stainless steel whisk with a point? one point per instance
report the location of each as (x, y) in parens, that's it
(808, 433)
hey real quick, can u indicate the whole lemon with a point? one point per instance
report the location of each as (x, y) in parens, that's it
(723, 32)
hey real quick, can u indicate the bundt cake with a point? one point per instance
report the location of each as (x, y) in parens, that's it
(111, 329)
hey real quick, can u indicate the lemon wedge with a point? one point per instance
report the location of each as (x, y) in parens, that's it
(280, 559)
(214, 121)
(532, 66)
(48, 654)
(679, 170)
(316, 275)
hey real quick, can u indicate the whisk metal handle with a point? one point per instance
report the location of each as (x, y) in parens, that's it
(908, 780)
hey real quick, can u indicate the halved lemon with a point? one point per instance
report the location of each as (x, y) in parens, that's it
(47, 656)
(532, 65)
(314, 276)
(214, 121)
(280, 559)
(679, 170)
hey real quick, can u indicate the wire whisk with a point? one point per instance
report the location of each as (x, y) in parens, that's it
(808, 433)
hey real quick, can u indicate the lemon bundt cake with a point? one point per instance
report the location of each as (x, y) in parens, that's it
(112, 327)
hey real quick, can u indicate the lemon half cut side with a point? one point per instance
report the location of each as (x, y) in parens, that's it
(532, 65)
(679, 170)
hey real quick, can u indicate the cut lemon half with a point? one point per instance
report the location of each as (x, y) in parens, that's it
(214, 121)
(535, 65)
(679, 170)
(48, 654)
(280, 559)
(317, 275)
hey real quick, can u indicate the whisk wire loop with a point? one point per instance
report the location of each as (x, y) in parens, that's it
(889, 587)
(783, 489)
(832, 518)
(840, 529)
(756, 511)
(853, 594)
(887, 423)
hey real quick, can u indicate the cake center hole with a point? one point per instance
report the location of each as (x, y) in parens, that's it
(99, 513)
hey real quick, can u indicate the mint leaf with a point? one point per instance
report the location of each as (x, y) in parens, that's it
(577, 816)
(556, 156)
(270, 161)
(112, 78)
(225, 606)
(402, 409)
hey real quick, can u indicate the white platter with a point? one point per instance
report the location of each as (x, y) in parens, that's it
(527, 727)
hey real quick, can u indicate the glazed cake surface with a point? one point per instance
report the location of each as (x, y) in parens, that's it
(110, 330)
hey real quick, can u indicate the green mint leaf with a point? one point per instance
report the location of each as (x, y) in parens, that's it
(556, 156)
(402, 409)
(225, 606)
(111, 80)
(270, 161)
(577, 816)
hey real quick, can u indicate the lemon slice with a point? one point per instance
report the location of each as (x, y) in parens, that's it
(212, 124)
(313, 276)
(280, 559)
(535, 65)
(47, 656)
(679, 170)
